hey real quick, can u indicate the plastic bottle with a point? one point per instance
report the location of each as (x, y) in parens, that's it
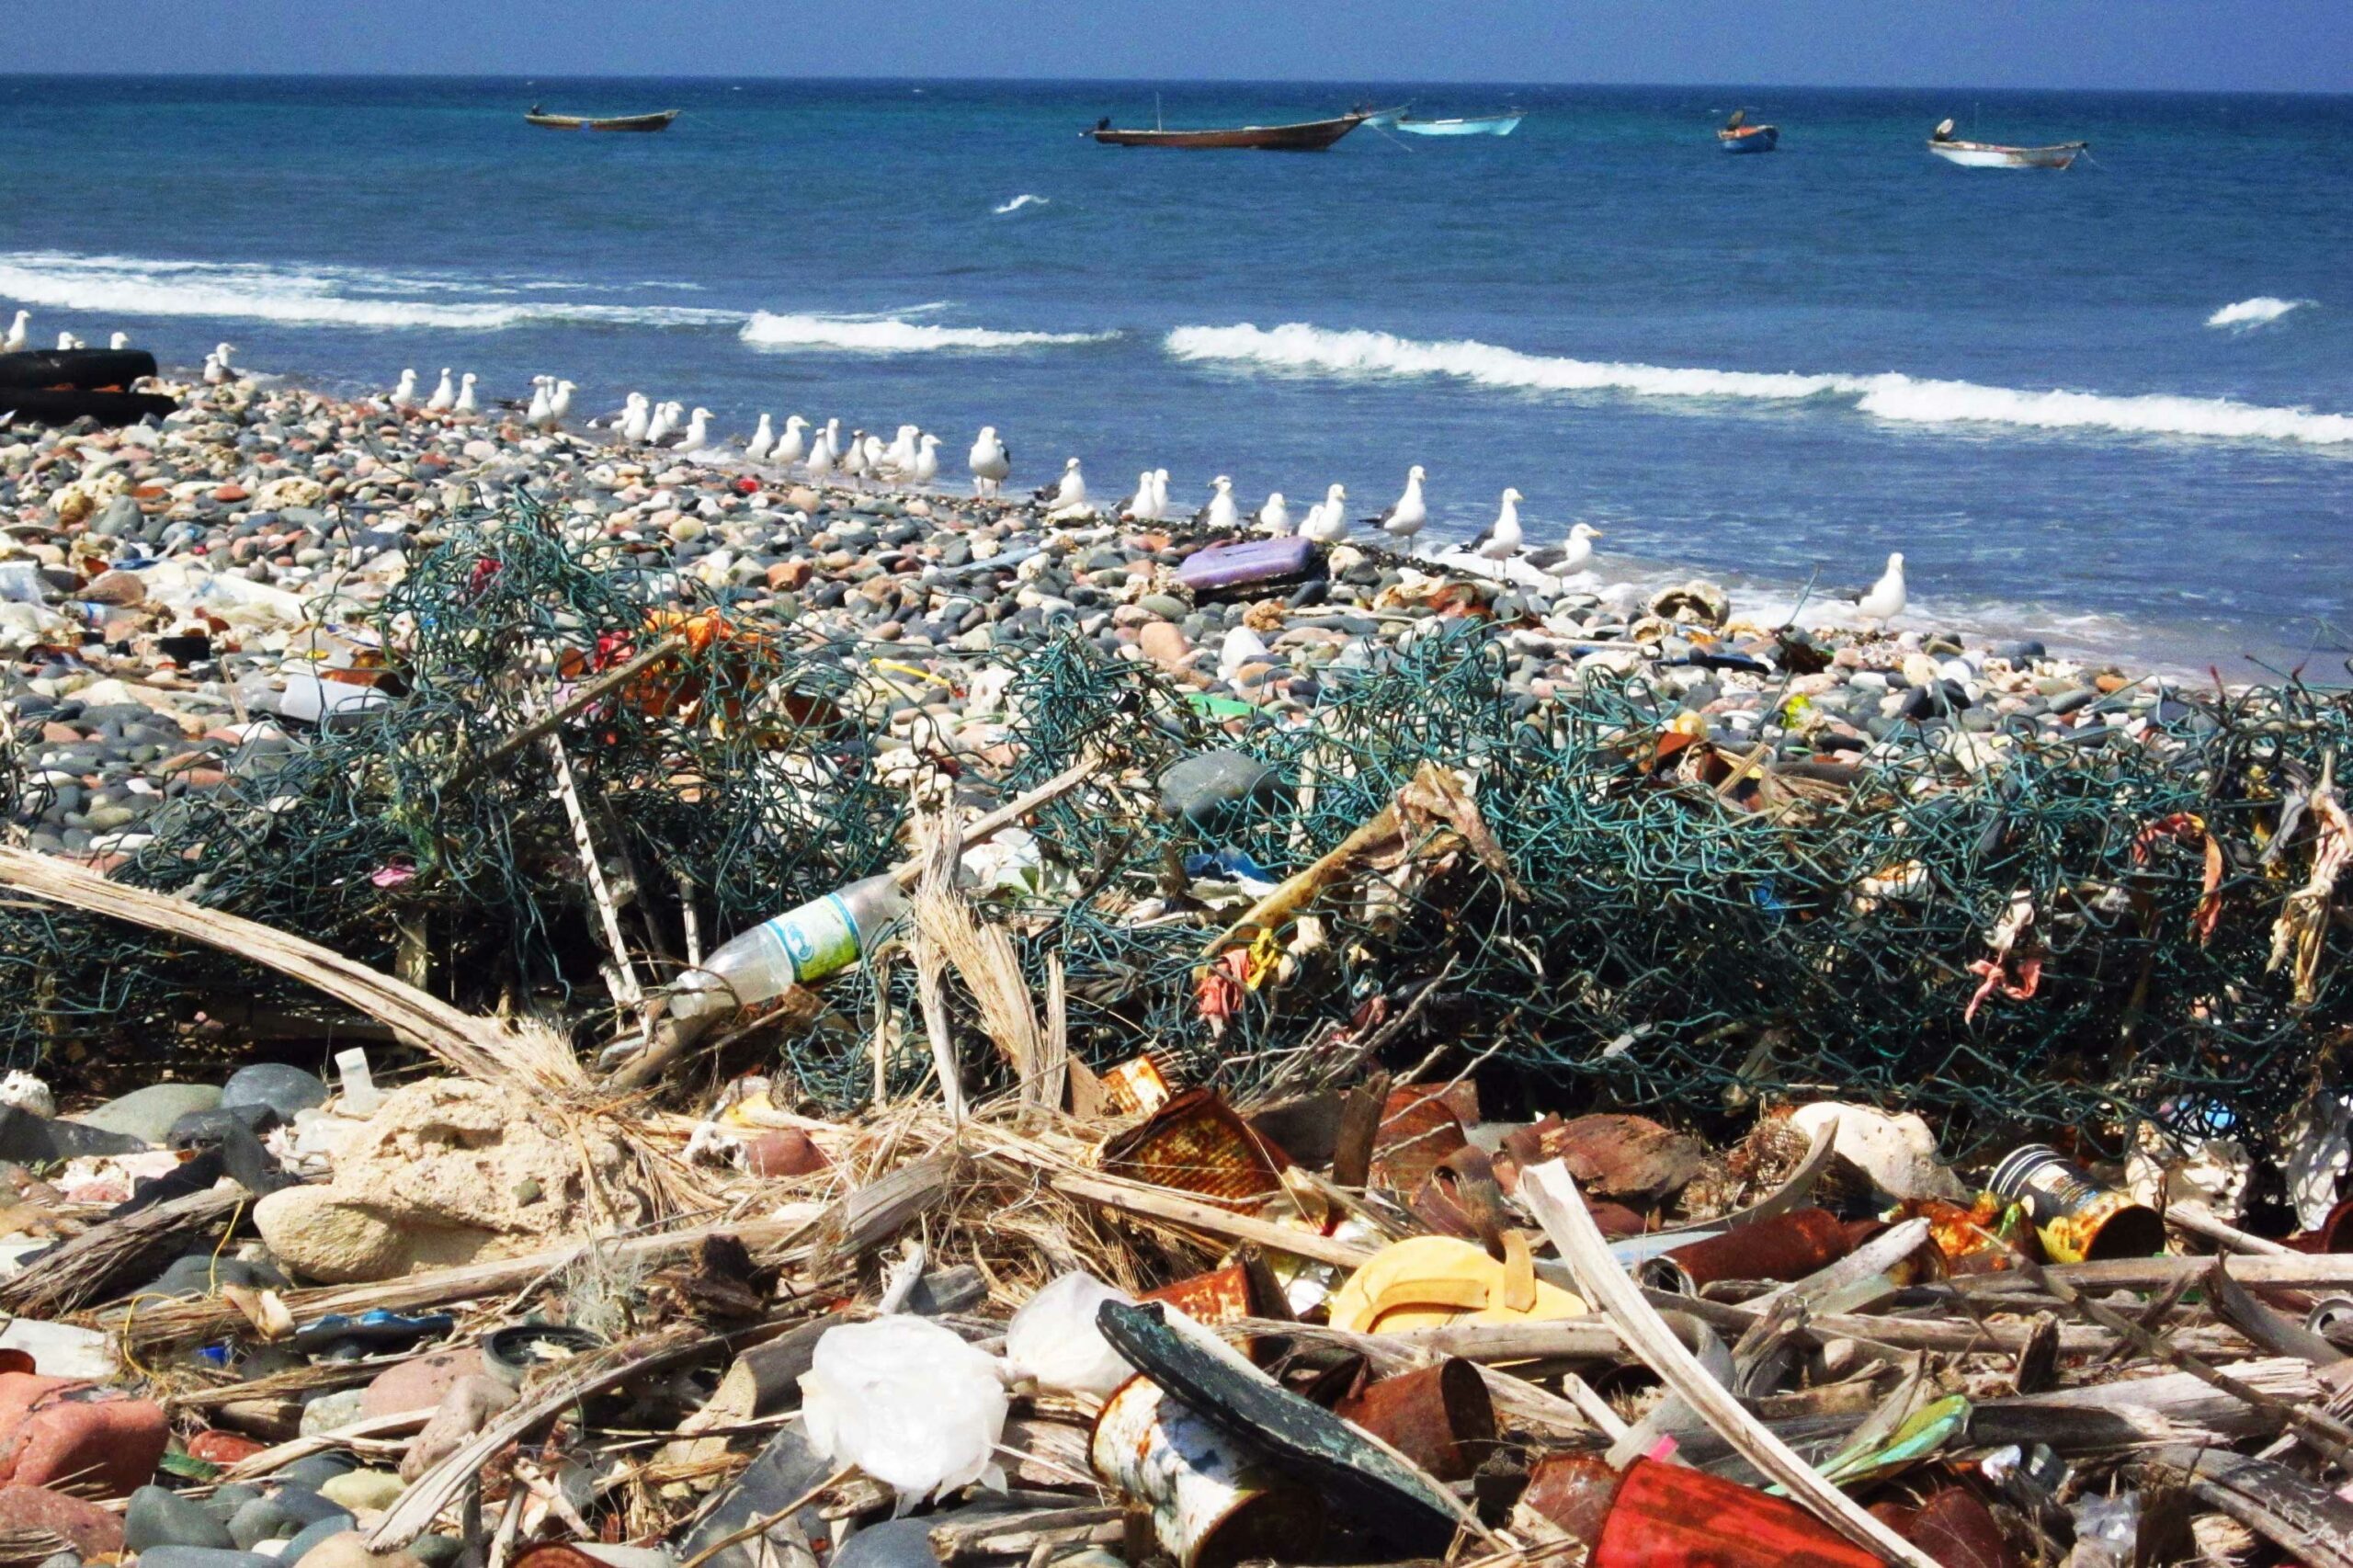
(360, 1096)
(797, 947)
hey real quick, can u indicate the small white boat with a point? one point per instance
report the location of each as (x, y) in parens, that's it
(1470, 125)
(1994, 155)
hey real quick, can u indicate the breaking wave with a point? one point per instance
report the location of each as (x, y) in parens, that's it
(2261, 311)
(1018, 203)
(308, 296)
(885, 334)
(1890, 395)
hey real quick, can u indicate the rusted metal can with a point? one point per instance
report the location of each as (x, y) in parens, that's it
(1573, 1491)
(1440, 1418)
(2078, 1220)
(1780, 1247)
(1951, 1526)
(1668, 1517)
(1215, 1502)
(1196, 1144)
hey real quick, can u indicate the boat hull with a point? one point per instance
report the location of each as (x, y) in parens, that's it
(1988, 156)
(1750, 139)
(1308, 136)
(625, 122)
(1489, 125)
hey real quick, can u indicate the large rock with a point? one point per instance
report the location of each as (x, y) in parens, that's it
(283, 1090)
(159, 1516)
(421, 1382)
(56, 1429)
(446, 1171)
(88, 1528)
(369, 1490)
(1898, 1152)
(147, 1114)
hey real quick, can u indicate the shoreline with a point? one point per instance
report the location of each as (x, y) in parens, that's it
(260, 496)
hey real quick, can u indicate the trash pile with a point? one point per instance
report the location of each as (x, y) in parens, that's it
(861, 1029)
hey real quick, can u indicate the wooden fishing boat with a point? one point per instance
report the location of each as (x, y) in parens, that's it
(1468, 125)
(659, 120)
(1994, 155)
(1307, 136)
(1739, 136)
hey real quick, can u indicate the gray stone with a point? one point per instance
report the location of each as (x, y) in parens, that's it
(310, 1535)
(157, 1517)
(1215, 790)
(283, 1090)
(203, 1557)
(148, 1113)
(317, 1470)
(436, 1551)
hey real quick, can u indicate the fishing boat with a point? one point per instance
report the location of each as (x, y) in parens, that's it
(1739, 136)
(658, 121)
(1306, 136)
(1468, 125)
(1994, 155)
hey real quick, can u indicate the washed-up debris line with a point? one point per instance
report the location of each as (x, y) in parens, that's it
(875, 1031)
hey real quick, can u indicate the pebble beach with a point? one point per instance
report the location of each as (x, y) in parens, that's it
(168, 591)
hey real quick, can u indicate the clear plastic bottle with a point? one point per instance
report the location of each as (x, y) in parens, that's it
(797, 947)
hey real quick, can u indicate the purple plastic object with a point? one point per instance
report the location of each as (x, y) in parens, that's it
(1249, 562)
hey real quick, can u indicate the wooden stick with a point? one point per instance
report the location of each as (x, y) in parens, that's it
(628, 994)
(1191, 1213)
(1560, 1209)
(2199, 1220)
(546, 723)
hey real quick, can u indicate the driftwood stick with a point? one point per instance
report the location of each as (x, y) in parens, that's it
(546, 723)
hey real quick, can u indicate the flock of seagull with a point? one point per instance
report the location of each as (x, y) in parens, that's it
(912, 457)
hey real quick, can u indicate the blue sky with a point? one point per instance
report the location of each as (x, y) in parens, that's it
(2253, 45)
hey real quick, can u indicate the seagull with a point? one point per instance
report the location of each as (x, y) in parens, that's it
(118, 342)
(559, 404)
(1273, 515)
(697, 436)
(990, 462)
(214, 374)
(445, 396)
(1565, 560)
(1241, 646)
(793, 444)
(1327, 521)
(637, 418)
(1067, 492)
(822, 454)
(854, 460)
(228, 352)
(67, 342)
(1885, 600)
(926, 460)
(763, 441)
(404, 394)
(900, 461)
(1136, 508)
(665, 420)
(1405, 520)
(465, 404)
(15, 342)
(536, 415)
(1220, 513)
(1502, 539)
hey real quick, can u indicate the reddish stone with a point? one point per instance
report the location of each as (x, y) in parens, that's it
(58, 734)
(232, 493)
(86, 1527)
(790, 574)
(119, 588)
(224, 1448)
(418, 1385)
(556, 1557)
(53, 1428)
(1164, 644)
(785, 1152)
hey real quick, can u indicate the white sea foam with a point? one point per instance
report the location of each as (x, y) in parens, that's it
(1906, 399)
(2261, 311)
(1025, 199)
(304, 296)
(869, 334)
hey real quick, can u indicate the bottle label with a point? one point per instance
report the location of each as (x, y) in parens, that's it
(817, 938)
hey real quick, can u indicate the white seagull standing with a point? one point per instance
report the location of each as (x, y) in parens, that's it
(559, 404)
(465, 404)
(899, 462)
(215, 373)
(855, 460)
(66, 341)
(404, 394)
(637, 418)
(1502, 539)
(1327, 521)
(763, 441)
(665, 420)
(793, 444)
(536, 415)
(991, 463)
(926, 460)
(1220, 512)
(697, 436)
(1273, 515)
(445, 396)
(1575, 556)
(118, 342)
(18, 331)
(1137, 508)
(1068, 492)
(1405, 520)
(822, 454)
(1885, 600)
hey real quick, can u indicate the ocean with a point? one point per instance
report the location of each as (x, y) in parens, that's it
(2111, 407)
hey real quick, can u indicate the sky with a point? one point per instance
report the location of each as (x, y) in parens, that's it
(2233, 45)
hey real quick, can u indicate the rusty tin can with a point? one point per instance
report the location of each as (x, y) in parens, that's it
(1196, 1144)
(2078, 1220)
(1215, 1502)
(1440, 1418)
(1780, 1247)
(1992, 1236)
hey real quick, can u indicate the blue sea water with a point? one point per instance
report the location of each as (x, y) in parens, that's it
(1774, 370)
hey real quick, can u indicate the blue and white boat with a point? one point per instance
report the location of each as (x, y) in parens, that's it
(1739, 136)
(1470, 125)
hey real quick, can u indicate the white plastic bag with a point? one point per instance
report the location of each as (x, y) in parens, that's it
(908, 1403)
(1054, 1342)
